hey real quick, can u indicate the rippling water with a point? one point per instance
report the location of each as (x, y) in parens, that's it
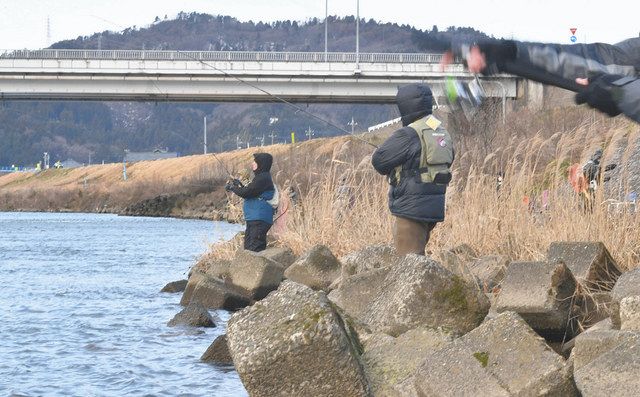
(81, 313)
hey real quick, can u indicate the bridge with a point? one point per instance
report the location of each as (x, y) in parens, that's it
(217, 76)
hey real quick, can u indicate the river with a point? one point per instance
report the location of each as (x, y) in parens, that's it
(81, 313)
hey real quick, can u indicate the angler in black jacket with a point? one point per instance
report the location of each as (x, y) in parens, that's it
(258, 212)
(416, 158)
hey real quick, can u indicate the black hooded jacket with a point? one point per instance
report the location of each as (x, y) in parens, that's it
(410, 198)
(261, 181)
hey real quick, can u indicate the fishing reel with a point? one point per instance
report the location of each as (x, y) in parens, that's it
(463, 95)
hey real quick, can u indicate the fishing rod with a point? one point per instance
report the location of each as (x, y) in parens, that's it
(277, 98)
(183, 119)
(223, 165)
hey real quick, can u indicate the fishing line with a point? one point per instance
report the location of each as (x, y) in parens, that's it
(277, 98)
(185, 122)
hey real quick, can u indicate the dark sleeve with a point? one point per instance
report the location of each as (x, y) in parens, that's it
(395, 151)
(582, 60)
(258, 185)
(629, 101)
(585, 60)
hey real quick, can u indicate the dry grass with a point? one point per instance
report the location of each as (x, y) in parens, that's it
(344, 204)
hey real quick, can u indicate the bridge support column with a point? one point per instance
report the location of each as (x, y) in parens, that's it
(534, 95)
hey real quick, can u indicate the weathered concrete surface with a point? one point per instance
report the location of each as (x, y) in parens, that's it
(317, 268)
(194, 278)
(368, 258)
(255, 274)
(293, 343)
(419, 292)
(630, 313)
(592, 344)
(175, 286)
(502, 357)
(405, 388)
(356, 293)
(605, 324)
(389, 363)
(614, 373)
(216, 294)
(218, 352)
(541, 292)
(194, 315)
(627, 285)
(457, 260)
(590, 262)
(212, 266)
(281, 255)
(489, 270)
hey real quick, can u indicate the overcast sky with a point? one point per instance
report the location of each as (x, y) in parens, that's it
(23, 23)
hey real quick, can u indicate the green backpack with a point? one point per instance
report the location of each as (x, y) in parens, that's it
(436, 155)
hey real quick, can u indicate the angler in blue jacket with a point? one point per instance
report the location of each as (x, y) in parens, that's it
(258, 212)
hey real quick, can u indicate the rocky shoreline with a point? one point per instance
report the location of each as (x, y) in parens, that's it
(375, 324)
(211, 206)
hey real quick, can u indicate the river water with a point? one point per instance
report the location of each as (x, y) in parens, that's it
(81, 313)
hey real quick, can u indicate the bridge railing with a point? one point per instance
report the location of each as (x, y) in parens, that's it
(235, 56)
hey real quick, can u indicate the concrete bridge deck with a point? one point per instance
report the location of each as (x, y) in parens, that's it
(215, 76)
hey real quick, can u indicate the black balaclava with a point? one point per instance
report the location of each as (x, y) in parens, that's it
(264, 161)
(414, 102)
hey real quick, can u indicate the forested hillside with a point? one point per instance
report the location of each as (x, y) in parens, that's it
(101, 131)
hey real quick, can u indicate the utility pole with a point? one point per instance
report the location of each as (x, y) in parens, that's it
(238, 142)
(124, 165)
(357, 34)
(309, 133)
(353, 124)
(261, 140)
(326, 29)
(205, 134)
(272, 121)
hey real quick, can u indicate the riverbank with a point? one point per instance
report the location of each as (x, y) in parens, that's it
(185, 187)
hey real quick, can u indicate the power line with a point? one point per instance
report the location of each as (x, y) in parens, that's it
(277, 98)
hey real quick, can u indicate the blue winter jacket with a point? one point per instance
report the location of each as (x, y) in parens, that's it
(257, 208)
(258, 191)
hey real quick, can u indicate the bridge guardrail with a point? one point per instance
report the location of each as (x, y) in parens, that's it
(238, 56)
